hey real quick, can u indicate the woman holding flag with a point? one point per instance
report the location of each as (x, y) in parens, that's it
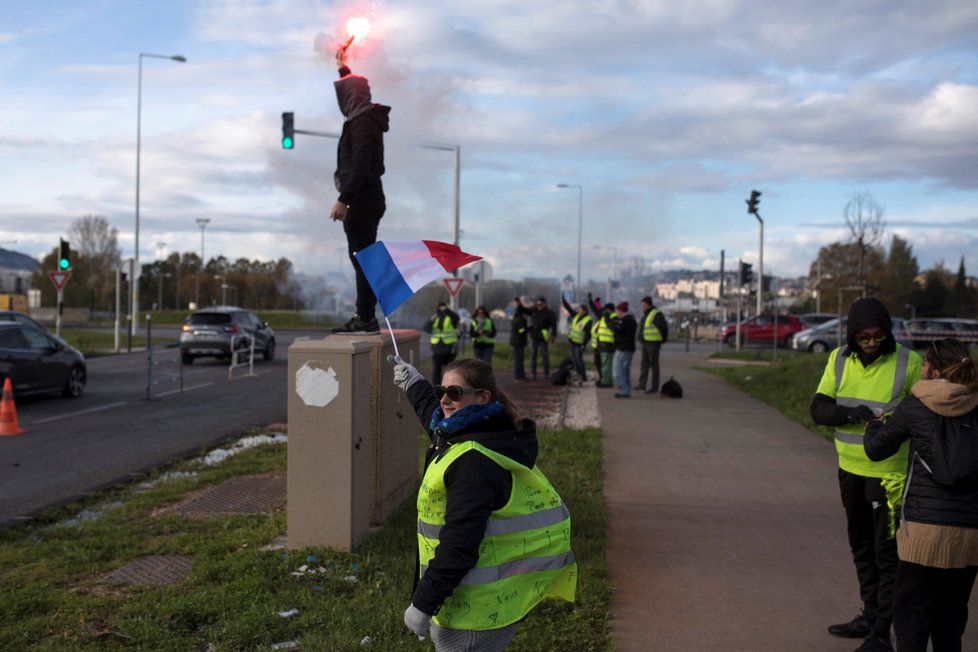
(493, 534)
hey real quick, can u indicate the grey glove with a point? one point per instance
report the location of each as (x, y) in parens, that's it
(417, 620)
(405, 374)
(859, 414)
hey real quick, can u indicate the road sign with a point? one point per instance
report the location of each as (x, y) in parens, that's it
(454, 285)
(59, 279)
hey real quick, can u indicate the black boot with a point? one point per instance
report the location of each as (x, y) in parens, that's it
(858, 627)
(358, 325)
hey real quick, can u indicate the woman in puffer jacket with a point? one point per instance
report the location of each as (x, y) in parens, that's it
(937, 540)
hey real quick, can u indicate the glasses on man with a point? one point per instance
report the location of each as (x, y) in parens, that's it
(864, 338)
(454, 392)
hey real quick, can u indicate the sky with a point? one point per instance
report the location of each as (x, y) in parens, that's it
(666, 114)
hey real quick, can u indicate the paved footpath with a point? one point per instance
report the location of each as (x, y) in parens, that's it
(726, 531)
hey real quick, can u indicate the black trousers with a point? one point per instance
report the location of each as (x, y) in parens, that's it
(931, 603)
(874, 551)
(650, 361)
(360, 227)
(440, 361)
(543, 346)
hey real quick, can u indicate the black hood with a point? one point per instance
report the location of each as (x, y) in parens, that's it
(353, 98)
(869, 313)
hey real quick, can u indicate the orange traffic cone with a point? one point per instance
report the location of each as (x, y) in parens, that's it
(8, 411)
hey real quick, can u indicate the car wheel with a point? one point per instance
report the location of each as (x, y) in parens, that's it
(269, 350)
(730, 340)
(75, 384)
(186, 358)
(818, 347)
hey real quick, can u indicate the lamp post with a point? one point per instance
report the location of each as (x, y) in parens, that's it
(139, 128)
(202, 222)
(580, 224)
(457, 165)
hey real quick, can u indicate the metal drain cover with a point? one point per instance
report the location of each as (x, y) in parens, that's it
(252, 494)
(152, 569)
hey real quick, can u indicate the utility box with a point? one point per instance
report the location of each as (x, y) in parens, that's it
(353, 437)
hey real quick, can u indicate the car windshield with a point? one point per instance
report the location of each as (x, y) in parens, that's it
(209, 319)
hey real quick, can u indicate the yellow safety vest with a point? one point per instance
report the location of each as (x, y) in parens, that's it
(525, 555)
(602, 333)
(577, 328)
(883, 384)
(443, 331)
(485, 338)
(651, 332)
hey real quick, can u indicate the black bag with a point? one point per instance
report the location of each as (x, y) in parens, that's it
(954, 450)
(672, 388)
(563, 373)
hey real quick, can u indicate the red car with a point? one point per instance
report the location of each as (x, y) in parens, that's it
(761, 330)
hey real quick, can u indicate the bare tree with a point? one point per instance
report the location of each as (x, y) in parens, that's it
(864, 217)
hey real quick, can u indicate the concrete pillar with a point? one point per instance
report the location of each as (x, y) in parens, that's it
(353, 437)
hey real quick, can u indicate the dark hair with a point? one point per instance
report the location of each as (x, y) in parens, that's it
(483, 309)
(478, 373)
(953, 360)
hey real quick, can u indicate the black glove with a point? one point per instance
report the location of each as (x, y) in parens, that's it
(859, 414)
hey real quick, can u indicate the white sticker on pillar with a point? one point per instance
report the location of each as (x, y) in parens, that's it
(316, 387)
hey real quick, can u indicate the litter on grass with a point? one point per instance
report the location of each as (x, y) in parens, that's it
(289, 613)
(167, 477)
(218, 455)
(285, 645)
(88, 515)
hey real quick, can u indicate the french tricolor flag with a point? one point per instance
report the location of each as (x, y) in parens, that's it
(396, 269)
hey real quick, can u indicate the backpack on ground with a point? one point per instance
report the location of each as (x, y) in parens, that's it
(563, 373)
(672, 388)
(954, 451)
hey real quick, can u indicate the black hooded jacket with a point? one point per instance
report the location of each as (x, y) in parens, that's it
(864, 313)
(360, 153)
(476, 487)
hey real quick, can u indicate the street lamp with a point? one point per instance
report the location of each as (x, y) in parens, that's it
(457, 165)
(139, 127)
(202, 222)
(580, 223)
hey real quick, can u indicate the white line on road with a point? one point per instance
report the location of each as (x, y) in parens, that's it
(185, 389)
(79, 412)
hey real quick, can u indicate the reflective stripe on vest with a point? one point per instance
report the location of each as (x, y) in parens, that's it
(524, 556)
(443, 332)
(881, 385)
(485, 338)
(577, 328)
(651, 332)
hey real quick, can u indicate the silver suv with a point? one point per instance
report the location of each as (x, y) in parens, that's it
(825, 336)
(216, 332)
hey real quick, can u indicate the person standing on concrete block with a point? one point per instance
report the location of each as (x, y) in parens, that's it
(493, 534)
(865, 378)
(359, 166)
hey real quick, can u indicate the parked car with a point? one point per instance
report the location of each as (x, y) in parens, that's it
(21, 318)
(761, 330)
(925, 331)
(825, 337)
(216, 332)
(38, 362)
(813, 319)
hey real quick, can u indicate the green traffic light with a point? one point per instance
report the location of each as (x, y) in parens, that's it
(287, 143)
(63, 263)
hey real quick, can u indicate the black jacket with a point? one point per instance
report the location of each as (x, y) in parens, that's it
(476, 487)
(624, 327)
(518, 329)
(659, 321)
(543, 319)
(927, 501)
(360, 152)
(474, 331)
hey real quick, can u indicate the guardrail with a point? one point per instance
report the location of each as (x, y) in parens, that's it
(165, 363)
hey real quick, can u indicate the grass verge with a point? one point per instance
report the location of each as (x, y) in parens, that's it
(54, 597)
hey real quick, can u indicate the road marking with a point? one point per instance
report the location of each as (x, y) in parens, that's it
(185, 389)
(75, 414)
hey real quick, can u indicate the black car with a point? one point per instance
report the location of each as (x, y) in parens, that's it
(37, 362)
(216, 332)
(21, 318)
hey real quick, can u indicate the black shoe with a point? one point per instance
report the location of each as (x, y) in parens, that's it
(875, 643)
(858, 627)
(617, 395)
(357, 325)
(651, 391)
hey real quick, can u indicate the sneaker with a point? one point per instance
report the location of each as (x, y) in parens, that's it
(875, 643)
(858, 627)
(357, 325)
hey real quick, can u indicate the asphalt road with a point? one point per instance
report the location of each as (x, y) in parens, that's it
(112, 433)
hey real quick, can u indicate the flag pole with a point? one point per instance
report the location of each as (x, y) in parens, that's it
(393, 339)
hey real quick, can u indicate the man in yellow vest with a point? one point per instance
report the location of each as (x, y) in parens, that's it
(443, 327)
(865, 378)
(579, 336)
(603, 341)
(652, 333)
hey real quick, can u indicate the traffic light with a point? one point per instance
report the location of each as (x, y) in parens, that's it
(755, 199)
(745, 273)
(64, 262)
(288, 130)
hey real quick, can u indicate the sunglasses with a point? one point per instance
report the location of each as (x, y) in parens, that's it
(454, 392)
(864, 339)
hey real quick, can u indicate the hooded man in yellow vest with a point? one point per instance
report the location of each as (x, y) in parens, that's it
(865, 378)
